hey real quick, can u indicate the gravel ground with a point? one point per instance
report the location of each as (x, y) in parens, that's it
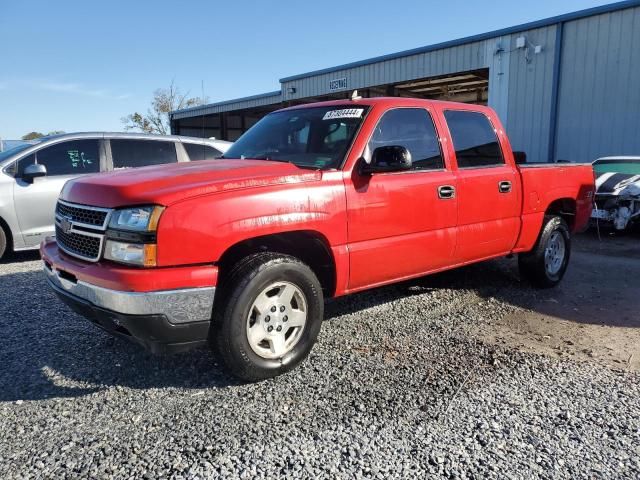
(397, 387)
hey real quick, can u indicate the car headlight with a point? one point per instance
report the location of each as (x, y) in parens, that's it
(137, 219)
(131, 236)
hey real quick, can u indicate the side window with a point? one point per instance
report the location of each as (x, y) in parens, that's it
(413, 129)
(140, 153)
(201, 152)
(66, 158)
(474, 139)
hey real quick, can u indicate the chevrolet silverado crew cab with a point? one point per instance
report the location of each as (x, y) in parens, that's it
(314, 201)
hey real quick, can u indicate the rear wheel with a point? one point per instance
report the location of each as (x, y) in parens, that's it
(547, 263)
(269, 316)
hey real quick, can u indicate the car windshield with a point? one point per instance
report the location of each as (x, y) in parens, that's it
(12, 151)
(315, 137)
(630, 166)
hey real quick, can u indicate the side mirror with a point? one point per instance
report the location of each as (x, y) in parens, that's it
(392, 158)
(33, 171)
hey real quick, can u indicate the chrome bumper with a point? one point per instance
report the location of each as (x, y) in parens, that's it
(179, 306)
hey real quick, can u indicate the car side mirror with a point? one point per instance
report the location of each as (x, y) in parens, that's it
(392, 158)
(33, 171)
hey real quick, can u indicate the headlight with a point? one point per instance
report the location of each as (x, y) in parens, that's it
(137, 219)
(131, 236)
(140, 254)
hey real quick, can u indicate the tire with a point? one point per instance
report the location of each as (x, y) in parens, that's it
(255, 286)
(546, 264)
(3, 243)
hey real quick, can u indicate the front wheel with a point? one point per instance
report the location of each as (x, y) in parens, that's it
(269, 316)
(3, 242)
(546, 264)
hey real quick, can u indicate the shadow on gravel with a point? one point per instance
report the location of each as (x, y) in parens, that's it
(600, 287)
(48, 351)
(19, 257)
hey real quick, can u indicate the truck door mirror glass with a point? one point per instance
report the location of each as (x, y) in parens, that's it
(392, 158)
(33, 171)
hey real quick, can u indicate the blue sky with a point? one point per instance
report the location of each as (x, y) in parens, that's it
(82, 65)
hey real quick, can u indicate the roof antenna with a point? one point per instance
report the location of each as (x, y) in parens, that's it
(355, 96)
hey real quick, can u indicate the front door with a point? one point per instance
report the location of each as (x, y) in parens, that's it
(35, 202)
(488, 188)
(402, 224)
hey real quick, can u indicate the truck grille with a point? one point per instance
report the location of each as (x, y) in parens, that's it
(79, 245)
(83, 215)
(80, 230)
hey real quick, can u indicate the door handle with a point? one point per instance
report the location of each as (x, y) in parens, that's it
(504, 186)
(446, 191)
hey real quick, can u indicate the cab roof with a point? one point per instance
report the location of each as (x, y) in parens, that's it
(387, 102)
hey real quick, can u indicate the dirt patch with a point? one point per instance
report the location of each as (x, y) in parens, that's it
(593, 315)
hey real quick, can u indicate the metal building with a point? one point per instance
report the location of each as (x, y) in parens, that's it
(566, 88)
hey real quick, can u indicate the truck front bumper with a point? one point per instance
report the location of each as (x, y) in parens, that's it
(161, 321)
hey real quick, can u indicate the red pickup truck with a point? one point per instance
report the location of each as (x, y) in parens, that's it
(314, 201)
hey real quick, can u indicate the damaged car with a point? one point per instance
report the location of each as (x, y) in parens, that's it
(617, 202)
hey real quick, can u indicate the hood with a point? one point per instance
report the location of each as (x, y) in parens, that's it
(167, 184)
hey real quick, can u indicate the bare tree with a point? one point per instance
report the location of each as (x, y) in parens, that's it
(156, 120)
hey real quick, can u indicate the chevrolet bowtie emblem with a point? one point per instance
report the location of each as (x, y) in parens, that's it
(66, 224)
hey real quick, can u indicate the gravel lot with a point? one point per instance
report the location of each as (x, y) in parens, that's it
(401, 384)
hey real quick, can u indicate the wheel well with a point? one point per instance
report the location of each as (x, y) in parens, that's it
(309, 247)
(564, 208)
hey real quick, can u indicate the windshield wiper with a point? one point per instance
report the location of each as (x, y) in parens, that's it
(271, 159)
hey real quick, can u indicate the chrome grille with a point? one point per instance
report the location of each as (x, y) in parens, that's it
(80, 230)
(83, 215)
(79, 245)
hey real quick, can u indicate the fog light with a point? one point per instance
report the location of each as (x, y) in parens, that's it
(143, 255)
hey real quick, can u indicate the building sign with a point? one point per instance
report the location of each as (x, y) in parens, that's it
(338, 84)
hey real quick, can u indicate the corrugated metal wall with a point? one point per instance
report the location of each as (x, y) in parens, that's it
(239, 104)
(530, 91)
(499, 53)
(461, 58)
(599, 95)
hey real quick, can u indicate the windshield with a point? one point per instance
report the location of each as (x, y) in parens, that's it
(12, 151)
(317, 137)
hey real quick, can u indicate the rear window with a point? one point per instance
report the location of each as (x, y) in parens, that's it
(140, 153)
(201, 152)
(474, 139)
(617, 165)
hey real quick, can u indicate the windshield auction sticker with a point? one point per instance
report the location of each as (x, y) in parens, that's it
(343, 113)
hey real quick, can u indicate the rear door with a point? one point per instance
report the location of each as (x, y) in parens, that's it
(133, 153)
(35, 202)
(402, 224)
(488, 188)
